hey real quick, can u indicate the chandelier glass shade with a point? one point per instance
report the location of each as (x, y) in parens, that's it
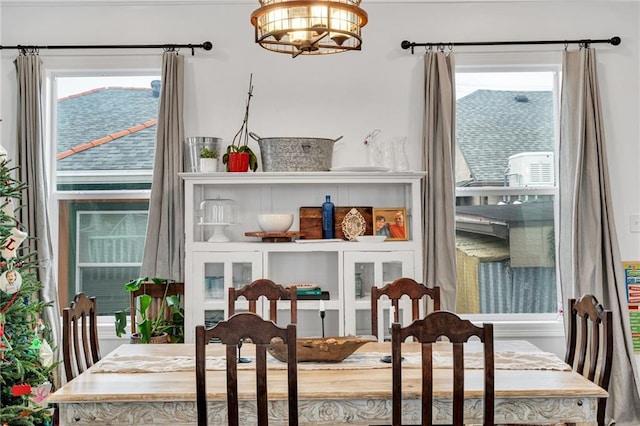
(309, 27)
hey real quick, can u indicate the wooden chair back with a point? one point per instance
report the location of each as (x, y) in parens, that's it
(428, 331)
(157, 293)
(246, 325)
(394, 291)
(269, 290)
(80, 345)
(590, 343)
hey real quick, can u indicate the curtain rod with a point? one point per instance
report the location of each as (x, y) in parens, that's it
(409, 44)
(207, 45)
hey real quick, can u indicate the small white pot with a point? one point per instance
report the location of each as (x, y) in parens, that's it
(208, 165)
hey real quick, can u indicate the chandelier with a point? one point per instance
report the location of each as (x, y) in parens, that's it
(309, 27)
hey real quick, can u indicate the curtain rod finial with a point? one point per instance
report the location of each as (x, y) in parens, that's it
(207, 45)
(615, 40)
(405, 44)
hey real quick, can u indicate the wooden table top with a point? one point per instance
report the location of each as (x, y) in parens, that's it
(313, 384)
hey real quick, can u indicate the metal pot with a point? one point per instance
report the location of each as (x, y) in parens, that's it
(295, 154)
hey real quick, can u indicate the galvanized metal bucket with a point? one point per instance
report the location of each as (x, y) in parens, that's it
(295, 154)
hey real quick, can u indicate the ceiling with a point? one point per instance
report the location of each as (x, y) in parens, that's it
(205, 2)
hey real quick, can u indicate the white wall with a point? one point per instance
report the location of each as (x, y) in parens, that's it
(346, 94)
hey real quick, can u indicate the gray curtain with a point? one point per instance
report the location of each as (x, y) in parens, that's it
(34, 217)
(164, 246)
(588, 248)
(439, 189)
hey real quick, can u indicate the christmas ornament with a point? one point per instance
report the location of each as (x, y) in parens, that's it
(10, 281)
(20, 390)
(41, 393)
(39, 325)
(12, 242)
(46, 354)
(35, 345)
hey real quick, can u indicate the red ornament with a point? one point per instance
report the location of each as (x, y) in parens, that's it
(19, 390)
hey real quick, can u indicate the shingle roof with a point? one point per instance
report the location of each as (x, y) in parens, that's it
(112, 128)
(493, 125)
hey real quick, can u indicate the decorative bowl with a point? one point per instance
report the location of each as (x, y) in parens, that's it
(321, 349)
(275, 222)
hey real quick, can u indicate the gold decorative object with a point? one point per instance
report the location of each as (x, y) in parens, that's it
(308, 27)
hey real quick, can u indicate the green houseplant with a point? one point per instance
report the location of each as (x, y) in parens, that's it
(208, 153)
(239, 157)
(148, 328)
(208, 159)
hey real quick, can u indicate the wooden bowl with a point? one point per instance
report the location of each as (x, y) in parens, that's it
(321, 349)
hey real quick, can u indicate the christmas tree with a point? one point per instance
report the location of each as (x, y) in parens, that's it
(26, 358)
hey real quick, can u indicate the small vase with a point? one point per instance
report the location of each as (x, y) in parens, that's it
(208, 165)
(238, 162)
(401, 159)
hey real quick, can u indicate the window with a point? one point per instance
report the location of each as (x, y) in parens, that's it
(506, 194)
(104, 131)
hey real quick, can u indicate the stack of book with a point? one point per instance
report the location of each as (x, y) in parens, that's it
(311, 292)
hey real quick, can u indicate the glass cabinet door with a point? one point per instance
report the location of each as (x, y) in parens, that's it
(212, 275)
(362, 270)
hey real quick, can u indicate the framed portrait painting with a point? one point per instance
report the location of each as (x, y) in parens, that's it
(391, 222)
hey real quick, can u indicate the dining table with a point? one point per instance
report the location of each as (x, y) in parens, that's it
(143, 384)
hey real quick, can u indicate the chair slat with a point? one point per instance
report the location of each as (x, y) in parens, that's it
(428, 331)
(270, 291)
(590, 343)
(246, 325)
(80, 343)
(157, 293)
(394, 291)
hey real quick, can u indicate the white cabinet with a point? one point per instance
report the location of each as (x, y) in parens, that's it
(212, 267)
(362, 270)
(215, 272)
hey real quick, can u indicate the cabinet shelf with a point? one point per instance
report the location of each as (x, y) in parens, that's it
(331, 265)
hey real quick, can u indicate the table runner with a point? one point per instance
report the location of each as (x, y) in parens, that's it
(504, 360)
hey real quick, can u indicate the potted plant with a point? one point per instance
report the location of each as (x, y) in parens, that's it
(163, 328)
(208, 160)
(239, 157)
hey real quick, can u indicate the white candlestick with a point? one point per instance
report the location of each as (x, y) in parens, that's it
(392, 311)
(321, 306)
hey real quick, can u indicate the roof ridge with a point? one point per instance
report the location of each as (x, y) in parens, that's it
(113, 136)
(99, 89)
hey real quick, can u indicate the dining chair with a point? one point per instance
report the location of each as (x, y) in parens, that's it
(427, 331)
(590, 343)
(270, 291)
(80, 345)
(158, 293)
(394, 291)
(246, 325)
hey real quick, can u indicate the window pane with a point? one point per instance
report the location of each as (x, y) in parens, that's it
(111, 237)
(107, 285)
(105, 136)
(505, 198)
(105, 132)
(105, 243)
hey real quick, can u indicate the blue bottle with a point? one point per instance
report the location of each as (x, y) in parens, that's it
(328, 210)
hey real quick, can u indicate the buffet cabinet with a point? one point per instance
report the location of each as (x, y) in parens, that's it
(344, 270)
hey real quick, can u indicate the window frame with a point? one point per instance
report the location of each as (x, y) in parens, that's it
(68, 66)
(548, 324)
